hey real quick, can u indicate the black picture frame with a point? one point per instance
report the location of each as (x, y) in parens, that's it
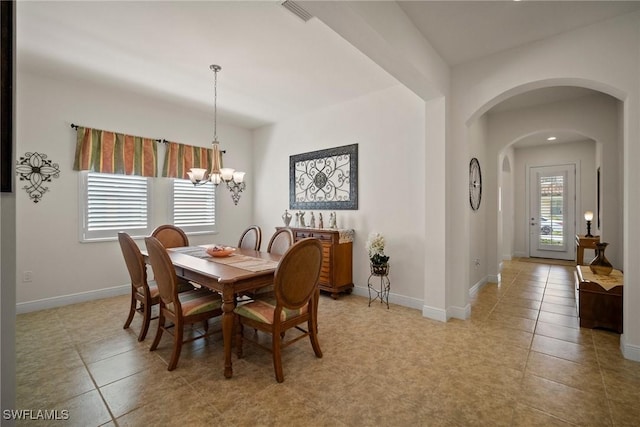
(324, 179)
(6, 96)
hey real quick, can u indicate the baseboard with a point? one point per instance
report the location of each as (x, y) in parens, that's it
(520, 255)
(629, 351)
(506, 257)
(434, 313)
(393, 298)
(462, 313)
(43, 304)
(475, 288)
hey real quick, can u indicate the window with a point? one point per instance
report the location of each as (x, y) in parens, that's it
(112, 203)
(194, 207)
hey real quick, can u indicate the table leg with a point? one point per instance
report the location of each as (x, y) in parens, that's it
(579, 254)
(228, 304)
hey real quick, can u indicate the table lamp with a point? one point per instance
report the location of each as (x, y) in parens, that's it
(588, 216)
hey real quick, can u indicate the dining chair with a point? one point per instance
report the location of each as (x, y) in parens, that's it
(280, 241)
(295, 303)
(180, 308)
(170, 236)
(142, 291)
(251, 238)
(174, 237)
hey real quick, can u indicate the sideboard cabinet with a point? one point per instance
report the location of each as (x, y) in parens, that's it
(336, 275)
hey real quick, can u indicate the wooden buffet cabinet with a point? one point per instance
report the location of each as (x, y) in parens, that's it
(336, 275)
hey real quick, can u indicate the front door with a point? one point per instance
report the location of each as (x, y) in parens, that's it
(552, 211)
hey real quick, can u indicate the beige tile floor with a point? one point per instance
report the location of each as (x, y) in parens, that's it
(521, 360)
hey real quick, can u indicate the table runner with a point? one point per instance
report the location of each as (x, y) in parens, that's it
(235, 260)
(609, 282)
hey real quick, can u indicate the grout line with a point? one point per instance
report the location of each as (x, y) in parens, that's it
(95, 384)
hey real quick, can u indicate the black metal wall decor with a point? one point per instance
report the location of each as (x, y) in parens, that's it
(35, 168)
(324, 179)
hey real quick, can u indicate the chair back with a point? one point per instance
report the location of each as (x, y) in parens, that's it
(251, 238)
(134, 260)
(281, 240)
(296, 278)
(163, 272)
(171, 236)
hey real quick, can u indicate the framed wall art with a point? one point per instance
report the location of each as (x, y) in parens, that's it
(324, 179)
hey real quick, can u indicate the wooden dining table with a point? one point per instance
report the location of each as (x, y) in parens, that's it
(244, 270)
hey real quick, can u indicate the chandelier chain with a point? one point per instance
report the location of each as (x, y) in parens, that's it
(215, 101)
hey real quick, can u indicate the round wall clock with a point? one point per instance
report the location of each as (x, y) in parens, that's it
(475, 184)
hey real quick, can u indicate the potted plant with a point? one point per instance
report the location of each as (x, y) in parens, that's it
(375, 248)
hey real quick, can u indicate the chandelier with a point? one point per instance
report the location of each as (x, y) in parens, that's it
(234, 180)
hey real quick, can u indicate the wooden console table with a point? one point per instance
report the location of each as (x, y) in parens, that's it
(599, 299)
(582, 243)
(336, 275)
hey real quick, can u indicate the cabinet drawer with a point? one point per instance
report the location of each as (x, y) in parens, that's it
(302, 235)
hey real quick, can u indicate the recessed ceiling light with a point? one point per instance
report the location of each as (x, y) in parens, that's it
(551, 138)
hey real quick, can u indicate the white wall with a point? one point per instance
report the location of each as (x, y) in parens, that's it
(478, 255)
(65, 270)
(604, 57)
(388, 127)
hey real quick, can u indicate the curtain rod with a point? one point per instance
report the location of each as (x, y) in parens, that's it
(162, 141)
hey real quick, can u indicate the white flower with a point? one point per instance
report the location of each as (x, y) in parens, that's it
(375, 244)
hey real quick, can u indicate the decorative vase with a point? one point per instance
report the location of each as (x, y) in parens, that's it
(380, 269)
(600, 264)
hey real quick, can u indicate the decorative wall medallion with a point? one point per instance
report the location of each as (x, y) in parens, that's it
(35, 168)
(324, 179)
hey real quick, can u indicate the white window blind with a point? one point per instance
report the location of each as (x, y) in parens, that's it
(194, 207)
(113, 203)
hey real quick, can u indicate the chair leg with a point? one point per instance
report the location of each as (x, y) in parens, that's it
(159, 331)
(313, 336)
(239, 338)
(277, 357)
(177, 344)
(146, 320)
(132, 312)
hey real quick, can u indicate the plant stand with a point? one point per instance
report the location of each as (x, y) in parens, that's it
(381, 271)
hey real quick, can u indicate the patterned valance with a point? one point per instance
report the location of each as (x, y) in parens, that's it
(180, 158)
(116, 153)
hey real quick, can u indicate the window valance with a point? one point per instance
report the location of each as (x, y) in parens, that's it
(180, 158)
(115, 153)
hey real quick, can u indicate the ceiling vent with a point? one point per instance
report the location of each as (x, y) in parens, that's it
(297, 10)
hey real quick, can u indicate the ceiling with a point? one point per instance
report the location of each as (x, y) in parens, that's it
(274, 65)
(462, 31)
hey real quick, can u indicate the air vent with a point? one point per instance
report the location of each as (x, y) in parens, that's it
(297, 10)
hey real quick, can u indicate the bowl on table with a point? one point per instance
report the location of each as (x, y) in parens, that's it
(220, 251)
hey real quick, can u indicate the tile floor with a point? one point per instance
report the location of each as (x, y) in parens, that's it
(521, 360)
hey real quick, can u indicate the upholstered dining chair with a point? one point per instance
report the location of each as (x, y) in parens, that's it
(182, 308)
(280, 241)
(142, 291)
(251, 238)
(171, 236)
(174, 237)
(295, 303)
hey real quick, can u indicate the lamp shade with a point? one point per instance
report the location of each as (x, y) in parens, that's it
(588, 216)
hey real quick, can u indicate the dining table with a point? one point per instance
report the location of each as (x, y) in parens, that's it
(242, 270)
